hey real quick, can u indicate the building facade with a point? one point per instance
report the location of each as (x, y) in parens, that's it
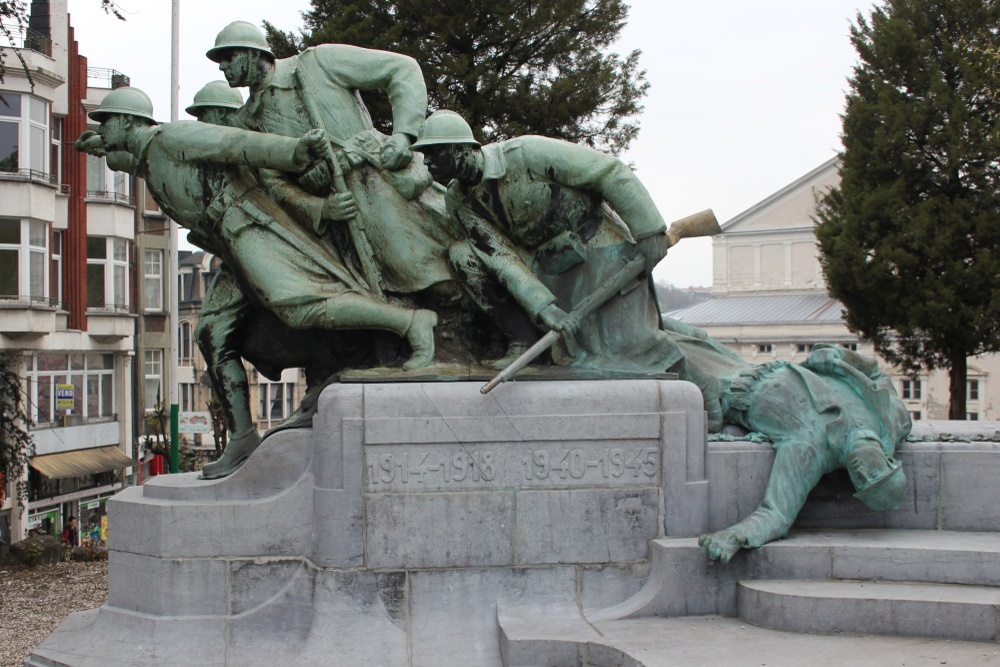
(82, 288)
(769, 299)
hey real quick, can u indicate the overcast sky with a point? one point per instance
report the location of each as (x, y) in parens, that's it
(744, 97)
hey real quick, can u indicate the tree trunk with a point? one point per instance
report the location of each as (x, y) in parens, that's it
(957, 375)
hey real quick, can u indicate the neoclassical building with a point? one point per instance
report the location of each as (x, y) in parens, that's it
(769, 299)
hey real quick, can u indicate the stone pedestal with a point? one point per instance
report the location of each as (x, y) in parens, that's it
(389, 533)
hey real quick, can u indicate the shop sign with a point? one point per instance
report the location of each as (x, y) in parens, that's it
(194, 422)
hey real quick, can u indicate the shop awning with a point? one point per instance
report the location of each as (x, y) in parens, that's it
(80, 462)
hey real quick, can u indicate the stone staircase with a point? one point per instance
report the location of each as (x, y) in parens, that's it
(942, 585)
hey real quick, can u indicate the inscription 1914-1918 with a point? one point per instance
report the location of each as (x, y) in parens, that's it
(389, 470)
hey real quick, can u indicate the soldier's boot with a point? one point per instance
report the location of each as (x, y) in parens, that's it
(238, 450)
(514, 351)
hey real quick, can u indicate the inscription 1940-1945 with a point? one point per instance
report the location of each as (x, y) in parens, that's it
(398, 467)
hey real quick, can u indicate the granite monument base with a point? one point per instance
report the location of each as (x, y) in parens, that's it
(546, 523)
(389, 532)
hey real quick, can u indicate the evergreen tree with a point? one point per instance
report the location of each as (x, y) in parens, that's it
(910, 241)
(510, 67)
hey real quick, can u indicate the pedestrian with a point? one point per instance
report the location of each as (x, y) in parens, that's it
(71, 535)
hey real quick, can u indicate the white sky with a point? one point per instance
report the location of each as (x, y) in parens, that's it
(744, 97)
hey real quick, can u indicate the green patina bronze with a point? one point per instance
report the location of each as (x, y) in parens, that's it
(199, 175)
(346, 253)
(834, 410)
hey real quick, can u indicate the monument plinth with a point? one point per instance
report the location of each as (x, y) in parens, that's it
(389, 532)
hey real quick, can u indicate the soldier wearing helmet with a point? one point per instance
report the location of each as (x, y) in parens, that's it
(216, 103)
(400, 237)
(197, 173)
(547, 222)
(834, 410)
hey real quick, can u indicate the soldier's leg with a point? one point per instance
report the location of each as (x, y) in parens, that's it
(490, 297)
(224, 309)
(358, 311)
(306, 287)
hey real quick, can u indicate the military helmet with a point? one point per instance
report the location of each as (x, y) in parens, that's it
(886, 492)
(216, 94)
(238, 35)
(445, 127)
(126, 100)
(877, 477)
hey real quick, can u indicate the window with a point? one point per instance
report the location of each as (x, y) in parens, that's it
(55, 155)
(184, 281)
(24, 134)
(55, 270)
(154, 375)
(107, 273)
(153, 286)
(850, 346)
(24, 246)
(91, 375)
(186, 391)
(972, 390)
(912, 390)
(103, 183)
(915, 415)
(185, 348)
(802, 347)
(765, 347)
(973, 416)
(276, 402)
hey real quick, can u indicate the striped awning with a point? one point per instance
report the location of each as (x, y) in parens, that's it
(80, 462)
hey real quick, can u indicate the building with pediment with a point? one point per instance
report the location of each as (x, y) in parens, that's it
(769, 299)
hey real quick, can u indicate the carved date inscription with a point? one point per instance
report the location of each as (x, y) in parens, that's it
(418, 466)
(574, 463)
(488, 465)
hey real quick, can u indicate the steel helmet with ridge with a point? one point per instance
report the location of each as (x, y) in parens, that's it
(126, 100)
(238, 35)
(216, 94)
(445, 127)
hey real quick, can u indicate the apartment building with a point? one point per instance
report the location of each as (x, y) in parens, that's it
(82, 267)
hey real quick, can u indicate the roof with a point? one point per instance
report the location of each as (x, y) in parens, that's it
(802, 181)
(762, 309)
(191, 259)
(80, 462)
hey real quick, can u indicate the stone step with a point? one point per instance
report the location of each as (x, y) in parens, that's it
(905, 609)
(716, 640)
(680, 574)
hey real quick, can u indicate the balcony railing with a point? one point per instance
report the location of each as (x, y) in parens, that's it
(22, 300)
(62, 421)
(109, 309)
(22, 37)
(102, 77)
(113, 197)
(27, 175)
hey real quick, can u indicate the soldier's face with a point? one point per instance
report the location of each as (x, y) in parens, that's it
(237, 65)
(216, 116)
(114, 130)
(446, 162)
(440, 161)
